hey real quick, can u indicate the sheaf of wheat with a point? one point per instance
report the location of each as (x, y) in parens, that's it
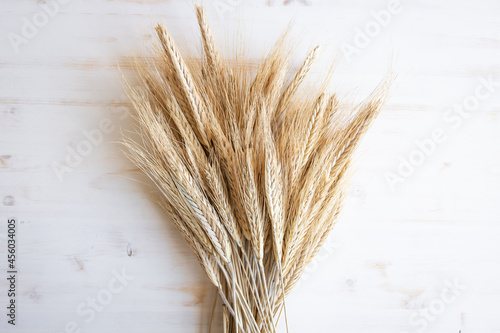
(252, 166)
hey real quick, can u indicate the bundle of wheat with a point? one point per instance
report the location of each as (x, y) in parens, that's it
(252, 167)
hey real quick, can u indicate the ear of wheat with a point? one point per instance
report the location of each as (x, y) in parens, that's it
(252, 167)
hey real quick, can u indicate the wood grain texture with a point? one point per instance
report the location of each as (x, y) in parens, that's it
(390, 259)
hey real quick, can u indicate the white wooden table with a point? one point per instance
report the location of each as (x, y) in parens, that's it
(417, 249)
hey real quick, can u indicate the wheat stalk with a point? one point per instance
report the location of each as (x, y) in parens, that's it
(251, 169)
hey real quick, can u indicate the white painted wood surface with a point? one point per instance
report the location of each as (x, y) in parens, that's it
(387, 261)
